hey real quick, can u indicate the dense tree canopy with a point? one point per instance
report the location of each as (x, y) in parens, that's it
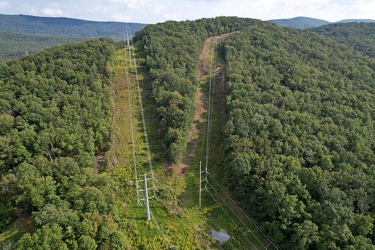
(15, 45)
(298, 136)
(300, 129)
(359, 35)
(56, 115)
(172, 51)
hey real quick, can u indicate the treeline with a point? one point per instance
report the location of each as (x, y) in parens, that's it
(55, 115)
(299, 136)
(358, 35)
(172, 52)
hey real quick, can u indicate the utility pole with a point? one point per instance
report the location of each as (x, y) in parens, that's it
(200, 184)
(146, 198)
(127, 39)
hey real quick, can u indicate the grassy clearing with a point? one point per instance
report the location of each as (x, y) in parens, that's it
(172, 225)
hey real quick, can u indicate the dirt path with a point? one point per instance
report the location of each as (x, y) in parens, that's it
(197, 130)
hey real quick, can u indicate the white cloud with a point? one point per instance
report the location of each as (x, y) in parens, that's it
(52, 12)
(4, 4)
(174, 16)
(367, 8)
(158, 9)
(130, 4)
(120, 18)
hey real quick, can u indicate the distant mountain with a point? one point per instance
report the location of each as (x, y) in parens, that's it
(308, 22)
(300, 22)
(357, 21)
(21, 34)
(15, 45)
(61, 26)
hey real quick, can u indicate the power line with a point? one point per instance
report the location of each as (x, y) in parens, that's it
(236, 214)
(243, 212)
(131, 119)
(209, 125)
(232, 220)
(144, 121)
(144, 179)
(209, 111)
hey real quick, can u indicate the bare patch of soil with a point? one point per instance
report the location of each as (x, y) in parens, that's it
(197, 130)
(178, 169)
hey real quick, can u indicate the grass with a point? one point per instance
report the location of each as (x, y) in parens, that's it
(15, 231)
(172, 225)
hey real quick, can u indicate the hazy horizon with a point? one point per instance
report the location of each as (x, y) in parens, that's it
(147, 11)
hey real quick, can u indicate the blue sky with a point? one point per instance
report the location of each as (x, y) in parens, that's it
(153, 11)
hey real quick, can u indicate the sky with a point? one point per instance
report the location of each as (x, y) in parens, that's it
(154, 11)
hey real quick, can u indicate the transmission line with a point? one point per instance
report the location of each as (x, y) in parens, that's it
(246, 215)
(239, 228)
(209, 125)
(217, 193)
(143, 121)
(131, 119)
(209, 111)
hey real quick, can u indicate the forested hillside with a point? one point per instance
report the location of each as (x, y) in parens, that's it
(300, 130)
(172, 51)
(359, 36)
(62, 26)
(21, 34)
(16, 45)
(55, 115)
(300, 22)
(299, 148)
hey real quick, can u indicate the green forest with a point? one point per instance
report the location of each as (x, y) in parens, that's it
(300, 129)
(172, 53)
(299, 133)
(359, 36)
(298, 137)
(16, 45)
(56, 114)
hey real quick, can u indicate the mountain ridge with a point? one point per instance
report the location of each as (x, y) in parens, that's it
(302, 22)
(21, 33)
(64, 26)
